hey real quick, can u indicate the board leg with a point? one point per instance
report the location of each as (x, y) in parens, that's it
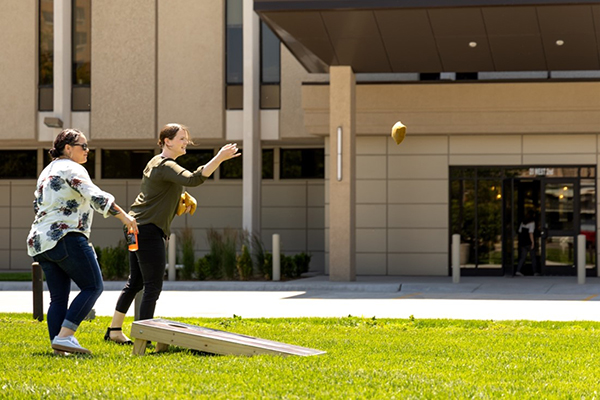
(139, 347)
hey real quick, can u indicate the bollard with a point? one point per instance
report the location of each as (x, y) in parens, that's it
(456, 258)
(581, 259)
(276, 258)
(37, 285)
(172, 256)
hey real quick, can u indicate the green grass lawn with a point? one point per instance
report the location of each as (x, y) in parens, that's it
(15, 276)
(366, 358)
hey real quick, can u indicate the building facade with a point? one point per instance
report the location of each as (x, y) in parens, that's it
(484, 144)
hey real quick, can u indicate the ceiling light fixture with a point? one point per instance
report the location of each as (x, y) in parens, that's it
(472, 44)
(560, 42)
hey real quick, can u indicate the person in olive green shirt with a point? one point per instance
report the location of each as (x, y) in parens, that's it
(154, 209)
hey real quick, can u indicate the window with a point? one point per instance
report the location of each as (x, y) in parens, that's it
(234, 168)
(234, 55)
(46, 56)
(195, 158)
(302, 164)
(270, 76)
(90, 165)
(18, 164)
(81, 55)
(125, 164)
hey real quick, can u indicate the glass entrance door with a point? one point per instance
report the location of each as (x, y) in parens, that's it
(560, 226)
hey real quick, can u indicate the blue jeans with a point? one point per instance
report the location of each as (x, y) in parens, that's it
(73, 258)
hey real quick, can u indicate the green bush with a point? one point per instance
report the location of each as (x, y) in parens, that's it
(203, 267)
(215, 242)
(302, 262)
(244, 264)
(186, 239)
(229, 255)
(114, 261)
(266, 268)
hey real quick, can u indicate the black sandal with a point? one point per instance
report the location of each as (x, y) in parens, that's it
(108, 339)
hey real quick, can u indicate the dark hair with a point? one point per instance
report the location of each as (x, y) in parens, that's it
(169, 131)
(67, 136)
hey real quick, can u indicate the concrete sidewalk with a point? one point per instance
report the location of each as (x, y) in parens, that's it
(533, 298)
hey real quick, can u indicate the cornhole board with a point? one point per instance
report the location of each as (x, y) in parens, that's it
(165, 333)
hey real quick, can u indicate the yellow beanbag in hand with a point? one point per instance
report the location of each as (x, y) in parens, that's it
(186, 201)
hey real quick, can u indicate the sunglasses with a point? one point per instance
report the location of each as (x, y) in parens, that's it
(84, 146)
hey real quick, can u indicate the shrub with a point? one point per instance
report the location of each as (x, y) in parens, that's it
(203, 267)
(302, 262)
(266, 268)
(186, 238)
(244, 264)
(114, 261)
(215, 242)
(229, 252)
(258, 253)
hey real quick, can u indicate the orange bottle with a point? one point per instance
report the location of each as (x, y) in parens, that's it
(132, 240)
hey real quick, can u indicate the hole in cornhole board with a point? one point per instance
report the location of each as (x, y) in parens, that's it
(207, 340)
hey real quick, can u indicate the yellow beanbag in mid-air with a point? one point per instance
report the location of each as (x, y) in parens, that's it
(398, 132)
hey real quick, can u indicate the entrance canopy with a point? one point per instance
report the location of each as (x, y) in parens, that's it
(393, 36)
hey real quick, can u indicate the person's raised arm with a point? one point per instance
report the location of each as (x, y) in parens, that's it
(227, 152)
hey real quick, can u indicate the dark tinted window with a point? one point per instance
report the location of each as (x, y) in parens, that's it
(90, 165)
(124, 164)
(18, 164)
(234, 168)
(267, 163)
(302, 164)
(195, 158)
(46, 55)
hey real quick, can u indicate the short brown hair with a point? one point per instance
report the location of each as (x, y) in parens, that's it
(169, 131)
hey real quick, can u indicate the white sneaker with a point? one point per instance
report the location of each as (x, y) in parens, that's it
(68, 344)
(518, 274)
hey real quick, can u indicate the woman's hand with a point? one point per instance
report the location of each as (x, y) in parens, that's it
(228, 152)
(129, 222)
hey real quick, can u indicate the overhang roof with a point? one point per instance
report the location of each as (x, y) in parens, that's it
(393, 36)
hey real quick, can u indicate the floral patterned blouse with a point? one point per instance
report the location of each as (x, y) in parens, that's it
(64, 200)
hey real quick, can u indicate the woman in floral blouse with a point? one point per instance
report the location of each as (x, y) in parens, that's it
(65, 199)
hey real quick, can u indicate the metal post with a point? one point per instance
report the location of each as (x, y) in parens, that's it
(172, 256)
(456, 258)
(37, 285)
(581, 259)
(276, 257)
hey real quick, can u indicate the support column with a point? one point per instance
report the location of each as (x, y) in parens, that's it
(252, 163)
(342, 174)
(62, 61)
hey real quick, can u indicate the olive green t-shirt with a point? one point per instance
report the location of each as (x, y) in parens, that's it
(162, 185)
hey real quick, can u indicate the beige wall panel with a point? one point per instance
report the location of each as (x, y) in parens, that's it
(559, 144)
(18, 69)
(5, 261)
(370, 216)
(479, 108)
(291, 240)
(370, 191)
(291, 122)
(485, 159)
(21, 217)
(370, 240)
(124, 70)
(371, 145)
(485, 144)
(315, 240)
(418, 145)
(418, 167)
(22, 191)
(283, 217)
(119, 190)
(370, 264)
(284, 195)
(213, 194)
(418, 216)
(5, 238)
(418, 240)
(20, 260)
(418, 264)
(370, 167)
(19, 238)
(5, 217)
(5, 194)
(417, 192)
(315, 217)
(316, 194)
(554, 159)
(191, 64)
(220, 217)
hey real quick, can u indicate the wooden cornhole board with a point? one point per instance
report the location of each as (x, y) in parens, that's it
(165, 333)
